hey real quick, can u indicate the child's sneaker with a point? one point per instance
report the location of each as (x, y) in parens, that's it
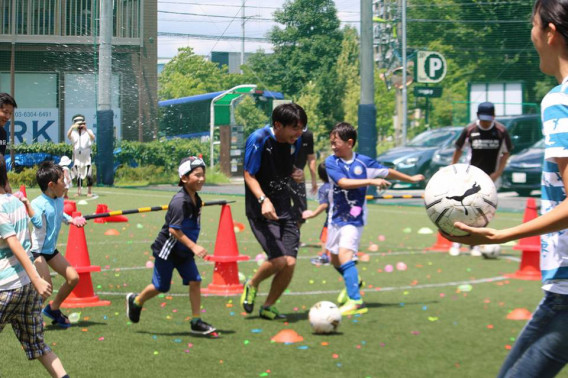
(199, 327)
(271, 313)
(57, 316)
(455, 249)
(320, 260)
(132, 309)
(475, 251)
(248, 297)
(353, 307)
(343, 297)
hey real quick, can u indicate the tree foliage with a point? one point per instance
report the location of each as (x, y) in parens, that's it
(188, 74)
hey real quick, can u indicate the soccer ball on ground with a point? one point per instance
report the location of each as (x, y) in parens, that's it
(490, 251)
(460, 193)
(324, 317)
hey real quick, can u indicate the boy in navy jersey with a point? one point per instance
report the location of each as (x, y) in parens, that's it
(349, 175)
(176, 246)
(270, 153)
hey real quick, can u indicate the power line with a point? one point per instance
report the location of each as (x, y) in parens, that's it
(212, 37)
(233, 6)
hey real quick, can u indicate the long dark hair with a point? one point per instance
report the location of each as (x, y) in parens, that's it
(553, 12)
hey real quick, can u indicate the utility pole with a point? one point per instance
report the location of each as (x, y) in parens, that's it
(404, 78)
(105, 127)
(367, 112)
(243, 21)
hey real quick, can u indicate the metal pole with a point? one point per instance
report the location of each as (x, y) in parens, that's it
(243, 37)
(105, 127)
(404, 78)
(367, 112)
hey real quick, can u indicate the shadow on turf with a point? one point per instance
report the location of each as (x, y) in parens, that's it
(82, 324)
(220, 332)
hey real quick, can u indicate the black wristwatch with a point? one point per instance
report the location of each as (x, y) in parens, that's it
(261, 199)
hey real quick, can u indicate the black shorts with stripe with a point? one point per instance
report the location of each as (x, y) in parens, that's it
(277, 238)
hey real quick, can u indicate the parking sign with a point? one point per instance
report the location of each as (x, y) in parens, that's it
(430, 67)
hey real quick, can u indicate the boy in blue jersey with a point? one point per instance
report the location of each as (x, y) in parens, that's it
(49, 214)
(270, 153)
(21, 287)
(176, 246)
(350, 173)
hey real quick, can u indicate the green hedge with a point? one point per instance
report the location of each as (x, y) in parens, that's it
(167, 153)
(157, 161)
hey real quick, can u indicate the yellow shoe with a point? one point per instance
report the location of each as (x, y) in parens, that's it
(353, 307)
(342, 298)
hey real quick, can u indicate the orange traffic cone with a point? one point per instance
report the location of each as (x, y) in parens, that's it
(530, 247)
(226, 274)
(23, 190)
(101, 209)
(442, 244)
(519, 314)
(69, 207)
(78, 256)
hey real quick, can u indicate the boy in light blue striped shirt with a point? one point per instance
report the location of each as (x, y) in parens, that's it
(21, 287)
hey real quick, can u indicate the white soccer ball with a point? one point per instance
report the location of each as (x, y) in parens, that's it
(324, 317)
(490, 251)
(460, 193)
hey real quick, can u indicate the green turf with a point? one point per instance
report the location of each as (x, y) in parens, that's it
(422, 322)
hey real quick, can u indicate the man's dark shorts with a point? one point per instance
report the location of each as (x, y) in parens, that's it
(277, 238)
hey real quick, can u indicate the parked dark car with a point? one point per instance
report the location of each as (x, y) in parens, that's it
(415, 157)
(524, 130)
(523, 170)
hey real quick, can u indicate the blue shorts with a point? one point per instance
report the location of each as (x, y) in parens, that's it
(163, 270)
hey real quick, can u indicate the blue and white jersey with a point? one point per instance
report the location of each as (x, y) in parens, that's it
(554, 246)
(272, 163)
(349, 207)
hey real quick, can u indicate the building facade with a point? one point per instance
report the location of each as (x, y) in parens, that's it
(49, 62)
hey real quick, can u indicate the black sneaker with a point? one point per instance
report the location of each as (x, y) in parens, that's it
(247, 298)
(132, 309)
(199, 327)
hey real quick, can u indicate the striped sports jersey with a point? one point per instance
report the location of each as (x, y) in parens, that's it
(349, 207)
(13, 221)
(271, 163)
(182, 215)
(554, 246)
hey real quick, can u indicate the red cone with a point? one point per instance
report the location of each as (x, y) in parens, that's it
(77, 254)
(102, 208)
(530, 260)
(226, 273)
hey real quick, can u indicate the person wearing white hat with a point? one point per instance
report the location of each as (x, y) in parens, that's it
(65, 162)
(82, 139)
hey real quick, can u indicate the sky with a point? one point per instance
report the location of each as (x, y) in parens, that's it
(214, 18)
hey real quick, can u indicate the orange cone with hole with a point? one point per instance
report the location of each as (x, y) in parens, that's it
(23, 190)
(102, 208)
(226, 274)
(69, 207)
(77, 254)
(529, 268)
(441, 244)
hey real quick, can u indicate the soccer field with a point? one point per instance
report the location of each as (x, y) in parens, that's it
(441, 317)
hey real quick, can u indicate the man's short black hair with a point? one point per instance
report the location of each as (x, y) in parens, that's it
(48, 172)
(6, 99)
(344, 131)
(289, 114)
